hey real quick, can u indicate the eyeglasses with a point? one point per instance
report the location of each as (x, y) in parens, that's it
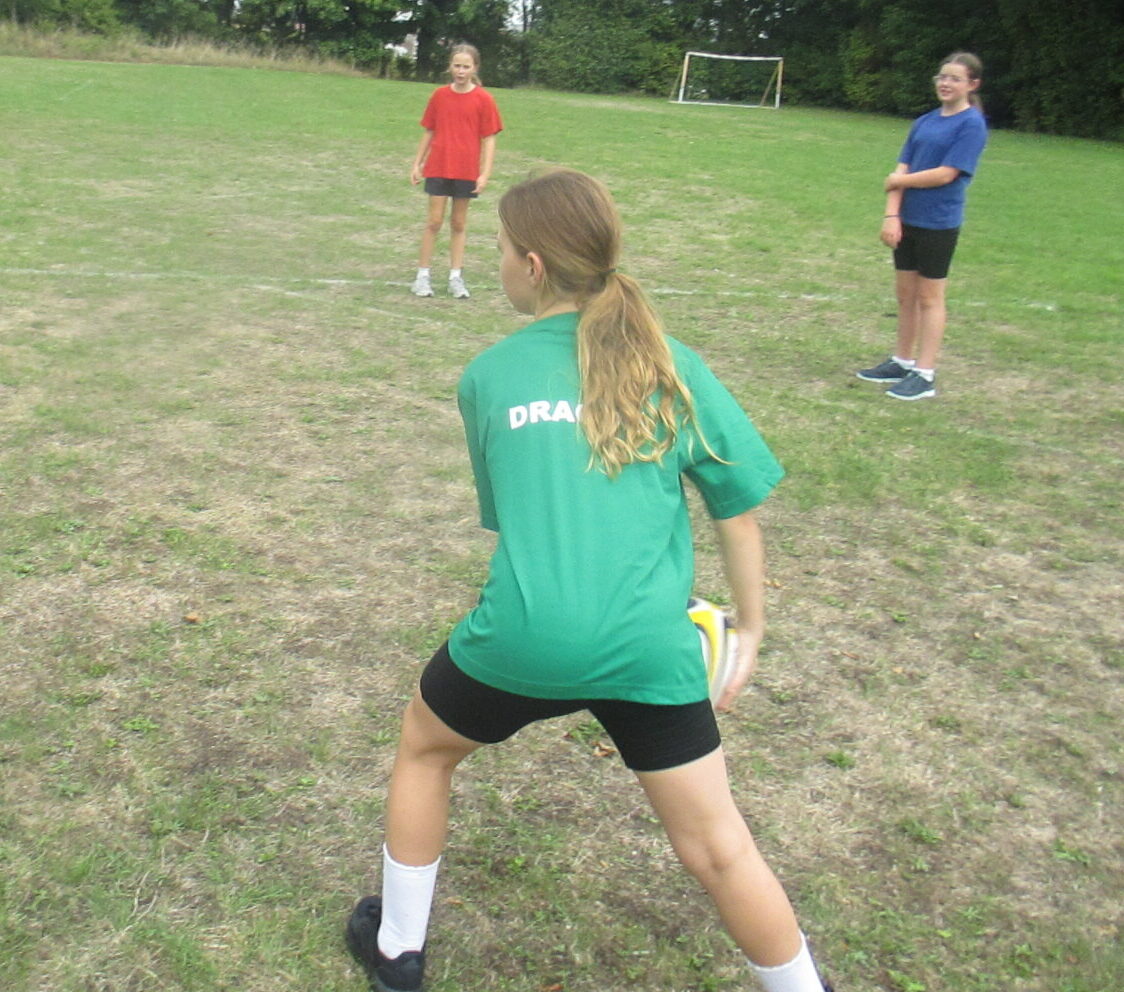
(950, 79)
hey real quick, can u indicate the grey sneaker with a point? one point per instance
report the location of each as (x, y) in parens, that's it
(913, 387)
(457, 289)
(403, 974)
(421, 286)
(888, 371)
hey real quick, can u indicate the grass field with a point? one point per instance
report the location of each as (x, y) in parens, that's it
(236, 516)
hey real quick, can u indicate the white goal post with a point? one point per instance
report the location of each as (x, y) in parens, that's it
(694, 87)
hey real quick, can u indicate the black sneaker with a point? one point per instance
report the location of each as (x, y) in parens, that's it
(913, 387)
(888, 371)
(403, 974)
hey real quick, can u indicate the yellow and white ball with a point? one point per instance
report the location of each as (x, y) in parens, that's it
(719, 640)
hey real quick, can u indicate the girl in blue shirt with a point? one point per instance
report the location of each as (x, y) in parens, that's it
(925, 197)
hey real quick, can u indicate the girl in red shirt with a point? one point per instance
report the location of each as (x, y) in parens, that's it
(455, 158)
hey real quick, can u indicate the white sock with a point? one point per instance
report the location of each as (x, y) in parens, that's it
(407, 896)
(423, 272)
(454, 273)
(905, 363)
(799, 975)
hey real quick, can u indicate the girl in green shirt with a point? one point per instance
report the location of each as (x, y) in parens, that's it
(581, 428)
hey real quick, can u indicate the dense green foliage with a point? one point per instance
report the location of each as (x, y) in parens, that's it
(1051, 65)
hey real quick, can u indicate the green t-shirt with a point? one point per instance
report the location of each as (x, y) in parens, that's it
(587, 591)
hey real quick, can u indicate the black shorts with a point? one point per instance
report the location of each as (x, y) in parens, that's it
(458, 189)
(649, 737)
(925, 251)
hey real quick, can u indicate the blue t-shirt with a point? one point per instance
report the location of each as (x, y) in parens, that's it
(587, 590)
(934, 141)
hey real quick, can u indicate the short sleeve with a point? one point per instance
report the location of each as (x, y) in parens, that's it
(476, 442)
(490, 122)
(726, 458)
(905, 156)
(429, 118)
(964, 153)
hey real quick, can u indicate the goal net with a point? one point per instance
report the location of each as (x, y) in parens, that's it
(731, 80)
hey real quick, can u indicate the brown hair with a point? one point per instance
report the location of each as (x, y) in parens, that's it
(463, 48)
(975, 72)
(633, 401)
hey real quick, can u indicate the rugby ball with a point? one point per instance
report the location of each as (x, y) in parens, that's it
(719, 641)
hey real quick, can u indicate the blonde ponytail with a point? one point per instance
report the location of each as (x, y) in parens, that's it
(633, 401)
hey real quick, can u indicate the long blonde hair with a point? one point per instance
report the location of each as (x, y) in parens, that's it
(633, 401)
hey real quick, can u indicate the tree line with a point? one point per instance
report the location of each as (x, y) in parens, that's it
(1054, 66)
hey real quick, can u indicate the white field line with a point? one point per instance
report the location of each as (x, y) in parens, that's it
(256, 281)
(271, 283)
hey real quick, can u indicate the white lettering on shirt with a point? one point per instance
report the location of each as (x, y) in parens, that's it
(543, 412)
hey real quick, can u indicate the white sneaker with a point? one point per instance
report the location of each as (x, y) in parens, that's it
(457, 289)
(421, 286)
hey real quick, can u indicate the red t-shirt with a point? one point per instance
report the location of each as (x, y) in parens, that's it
(458, 121)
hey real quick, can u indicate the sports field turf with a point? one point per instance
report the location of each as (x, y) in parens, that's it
(236, 515)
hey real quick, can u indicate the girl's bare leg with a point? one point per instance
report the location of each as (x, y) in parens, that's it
(435, 217)
(417, 809)
(909, 313)
(458, 232)
(712, 840)
(932, 316)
